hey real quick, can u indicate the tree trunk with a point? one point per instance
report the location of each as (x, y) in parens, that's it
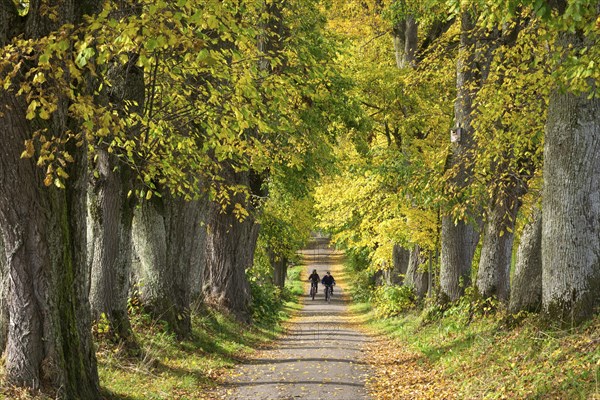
(280, 265)
(49, 341)
(459, 242)
(493, 275)
(526, 293)
(186, 240)
(3, 296)
(399, 38)
(405, 38)
(195, 242)
(415, 278)
(110, 209)
(167, 237)
(49, 338)
(110, 215)
(230, 251)
(459, 239)
(571, 204)
(400, 260)
(411, 42)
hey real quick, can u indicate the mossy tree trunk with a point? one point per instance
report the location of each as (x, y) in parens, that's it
(49, 336)
(571, 202)
(416, 276)
(168, 243)
(230, 246)
(526, 292)
(459, 238)
(110, 215)
(3, 296)
(110, 208)
(493, 274)
(49, 343)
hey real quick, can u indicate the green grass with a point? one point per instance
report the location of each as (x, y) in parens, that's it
(294, 282)
(193, 368)
(488, 358)
(165, 368)
(172, 369)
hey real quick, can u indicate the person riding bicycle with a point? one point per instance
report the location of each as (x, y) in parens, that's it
(328, 281)
(314, 279)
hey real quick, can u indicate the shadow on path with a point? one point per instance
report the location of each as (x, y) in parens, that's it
(321, 355)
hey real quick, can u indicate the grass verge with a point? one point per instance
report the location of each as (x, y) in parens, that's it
(166, 368)
(172, 369)
(459, 355)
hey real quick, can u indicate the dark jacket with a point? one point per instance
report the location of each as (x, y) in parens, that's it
(328, 280)
(314, 277)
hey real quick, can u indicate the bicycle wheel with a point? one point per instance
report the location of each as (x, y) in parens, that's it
(313, 291)
(327, 294)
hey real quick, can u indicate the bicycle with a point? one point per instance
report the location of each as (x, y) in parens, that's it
(313, 289)
(328, 292)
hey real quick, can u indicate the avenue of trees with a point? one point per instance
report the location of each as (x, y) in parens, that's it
(151, 150)
(479, 173)
(178, 152)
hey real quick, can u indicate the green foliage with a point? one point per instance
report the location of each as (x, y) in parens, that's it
(361, 278)
(387, 189)
(294, 286)
(400, 174)
(286, 219)
(205, 97)
(268, 300)
(266, 297)
(391, 300)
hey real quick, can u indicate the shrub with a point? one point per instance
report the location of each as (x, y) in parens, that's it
(391, 300)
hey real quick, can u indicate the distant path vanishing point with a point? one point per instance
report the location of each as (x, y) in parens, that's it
(320, 357)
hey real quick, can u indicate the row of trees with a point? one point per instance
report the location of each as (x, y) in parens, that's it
(483, 126)
(150, 149)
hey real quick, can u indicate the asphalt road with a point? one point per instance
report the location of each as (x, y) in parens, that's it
(321, 355)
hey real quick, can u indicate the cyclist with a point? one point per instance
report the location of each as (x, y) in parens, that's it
(328, 281)
(314, 279)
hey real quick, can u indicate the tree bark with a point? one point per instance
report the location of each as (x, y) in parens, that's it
(110, 208)
(280, 265)
(400, 260)
(43, 229)
(459, 242)
(526, 294)
(459, 239)
(399, 39)
(571, 204)
(415, 278)
(186, 241)
(110, 215)
(3, 296)
(405, 39)
(49, 340)
(168, 241)
(411, 42)
(493, 275)
(230, 251)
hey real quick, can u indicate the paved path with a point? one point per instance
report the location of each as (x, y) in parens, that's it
(319, 358)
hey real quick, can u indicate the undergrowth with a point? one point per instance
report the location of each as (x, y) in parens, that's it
(488, 355)
(163, 367)
(471, 349)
